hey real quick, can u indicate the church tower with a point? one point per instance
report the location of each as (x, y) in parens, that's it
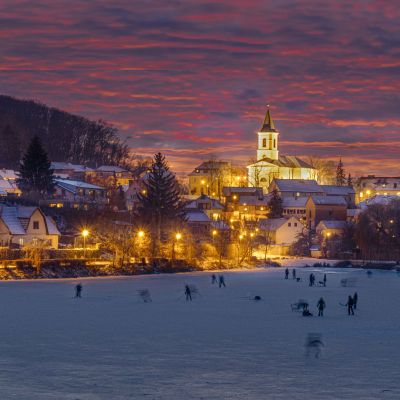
(268, 139)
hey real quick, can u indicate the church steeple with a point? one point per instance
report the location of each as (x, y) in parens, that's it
(268, 125)
(268, 139)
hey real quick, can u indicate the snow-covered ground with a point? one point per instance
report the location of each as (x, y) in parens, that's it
(109, 345)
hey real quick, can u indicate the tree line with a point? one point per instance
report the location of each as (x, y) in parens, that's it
(66, 137)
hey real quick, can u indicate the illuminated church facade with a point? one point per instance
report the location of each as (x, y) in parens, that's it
(270, 164)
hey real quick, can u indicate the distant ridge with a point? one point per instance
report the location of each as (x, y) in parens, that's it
(65, 136)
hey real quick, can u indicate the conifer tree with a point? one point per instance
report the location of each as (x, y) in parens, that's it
(340, 174)
(35, 173)
(349, 180)
(275, 209)
(160, 202)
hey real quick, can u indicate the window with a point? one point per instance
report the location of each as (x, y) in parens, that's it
(295, 224)
(395, 185)
(264, 143)
(35, 224)
(274, 143)
(289, 224)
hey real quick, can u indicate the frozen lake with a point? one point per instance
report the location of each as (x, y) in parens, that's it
(109, 345)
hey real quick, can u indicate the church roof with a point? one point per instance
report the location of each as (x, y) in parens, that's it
(286, 161)
(268, 125)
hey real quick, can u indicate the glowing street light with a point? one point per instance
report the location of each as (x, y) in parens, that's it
(140, 234)
(214, 232)
(85, 234)
(178, 236)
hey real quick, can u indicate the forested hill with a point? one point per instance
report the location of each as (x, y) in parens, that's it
(65, 136)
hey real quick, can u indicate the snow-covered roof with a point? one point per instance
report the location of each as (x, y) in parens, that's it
(8, 174)
(8, 186)
(327, 224)
(272, 224)
(353, 212)
(10, 219)
(215, 204)
(334, 190)
(378, 199)
(73, 185)
(25, 212)
(292, 202)
(329, 200)
(297, 185)
(111, 168)
(51, 226)
(59, 165)
(197, 216)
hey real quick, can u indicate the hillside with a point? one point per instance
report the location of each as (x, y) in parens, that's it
(66, 137)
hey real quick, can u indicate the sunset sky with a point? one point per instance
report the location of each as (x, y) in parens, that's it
(192, 78)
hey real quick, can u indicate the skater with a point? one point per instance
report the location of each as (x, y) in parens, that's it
(324, 280)
(221, 281)
(321, 305)
(188, 293)
(286, 273)
(78, 290)
(312, 279)
(294, 273)
(350, 304)
(213, 279)
(314, 341)
(355, 300)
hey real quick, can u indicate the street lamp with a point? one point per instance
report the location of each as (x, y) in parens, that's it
(178, 236)
(140, 234)
(85, 234)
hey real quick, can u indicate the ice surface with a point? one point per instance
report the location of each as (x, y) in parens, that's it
(111, 345)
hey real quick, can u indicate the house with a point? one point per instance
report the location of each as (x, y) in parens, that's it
(371, 185)
(21, 226)
(210, 177)
(77, 194)
(8, 183)
(347, 192)
(330, 228)
(320, 208)
(66, 170)
(295, 206)
(282, 233)
(199, 223)
(296, 188)
(8, 188)
(212, 207)
(110, 175)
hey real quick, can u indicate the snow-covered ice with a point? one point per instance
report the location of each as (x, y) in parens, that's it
(110, 345)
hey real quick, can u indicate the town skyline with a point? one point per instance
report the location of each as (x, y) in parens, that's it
(193, 80)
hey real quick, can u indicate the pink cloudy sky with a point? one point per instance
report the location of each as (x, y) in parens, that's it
(192, 77)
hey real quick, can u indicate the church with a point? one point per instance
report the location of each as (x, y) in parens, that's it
(270, 164)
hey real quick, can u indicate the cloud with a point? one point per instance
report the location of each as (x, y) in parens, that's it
(193, 78)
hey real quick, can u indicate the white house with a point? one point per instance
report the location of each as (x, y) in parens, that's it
(281, 233)
(21, 225)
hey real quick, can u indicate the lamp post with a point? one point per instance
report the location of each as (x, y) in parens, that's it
(141, 236)
(85, 234)
(177, 237)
